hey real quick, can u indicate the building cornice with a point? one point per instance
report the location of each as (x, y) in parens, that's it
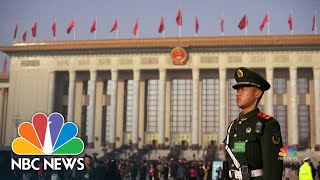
(252, 43)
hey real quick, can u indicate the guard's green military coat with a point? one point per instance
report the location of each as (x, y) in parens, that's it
(262, 137)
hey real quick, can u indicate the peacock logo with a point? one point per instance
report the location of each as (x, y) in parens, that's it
(287, 151)
(47, 136)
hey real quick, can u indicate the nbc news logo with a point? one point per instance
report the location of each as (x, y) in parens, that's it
(47, 136)
(287, 153)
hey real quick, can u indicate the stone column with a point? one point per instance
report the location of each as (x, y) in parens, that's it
(294, 107)
(91, 108)
(51, 92)
(71, 95)
(222, 106)
(316, 78)
(162, 106)
(269, 93)
(2, 113)
(142, 110)
(195, 107)
(113, 111)
(135, 118)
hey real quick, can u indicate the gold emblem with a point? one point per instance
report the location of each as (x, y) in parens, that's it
(179, 56)
(276, 137)
(239, 73)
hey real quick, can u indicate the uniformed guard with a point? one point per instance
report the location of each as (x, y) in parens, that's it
(253, 140)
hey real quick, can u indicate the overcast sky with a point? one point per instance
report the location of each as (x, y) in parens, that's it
(149, 12)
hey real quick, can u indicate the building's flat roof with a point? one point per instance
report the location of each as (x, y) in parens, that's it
(145, 43)
(4, 77)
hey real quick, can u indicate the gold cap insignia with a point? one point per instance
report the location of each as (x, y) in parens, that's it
(239, 73)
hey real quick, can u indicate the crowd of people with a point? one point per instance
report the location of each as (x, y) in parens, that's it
(122, 169)
(137, 168)
(111, 166)
(294, 169)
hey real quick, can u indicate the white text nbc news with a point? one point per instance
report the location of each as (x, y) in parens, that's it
(52, 163)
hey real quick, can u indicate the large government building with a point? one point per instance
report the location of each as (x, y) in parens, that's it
(161, 91)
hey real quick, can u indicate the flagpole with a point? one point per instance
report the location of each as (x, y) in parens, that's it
(246, 24)
(268, 23)
(54, 37)
(222, 25)
(181, 18)
(95, 31)
(163, 29)
(137, 36)
(315, 22)
(35, 37)
(291, 30)
(15, 38)
(117, 27)
(74, 29)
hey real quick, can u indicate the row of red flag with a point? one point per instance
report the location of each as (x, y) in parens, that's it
(242, 25)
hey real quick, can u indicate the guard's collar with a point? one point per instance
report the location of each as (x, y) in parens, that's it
(250, 114)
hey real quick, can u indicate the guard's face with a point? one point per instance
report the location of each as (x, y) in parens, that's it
(247, 96)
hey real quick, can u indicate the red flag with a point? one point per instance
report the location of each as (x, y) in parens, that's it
(265, 20)
(115, 25)
(161, 26)
(24, 36)
(243, 23)
(290, 21)
(5, 64)
(314, 21)
(53, 28)
(71, 26)
(197, 24)
(136, 27)
(15, 32)
(222, 24)
(34, 29)
(93, 27)
(179, 18)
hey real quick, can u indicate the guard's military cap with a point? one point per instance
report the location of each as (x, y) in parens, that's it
(247, 77)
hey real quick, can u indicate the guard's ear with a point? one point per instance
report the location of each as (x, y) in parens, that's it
(258, 93)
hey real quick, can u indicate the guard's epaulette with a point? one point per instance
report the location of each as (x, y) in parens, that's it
(264, 116)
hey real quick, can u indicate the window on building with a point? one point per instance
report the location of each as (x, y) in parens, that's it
(279, 85)
(65, 87)
(303, 85)
(304, 126)
(85, 87)
(128, 106)
(84, 124)
(181, 105)
(210, 105)
(105, 137)
(233, 108)
(152, 105)
(280, 114)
